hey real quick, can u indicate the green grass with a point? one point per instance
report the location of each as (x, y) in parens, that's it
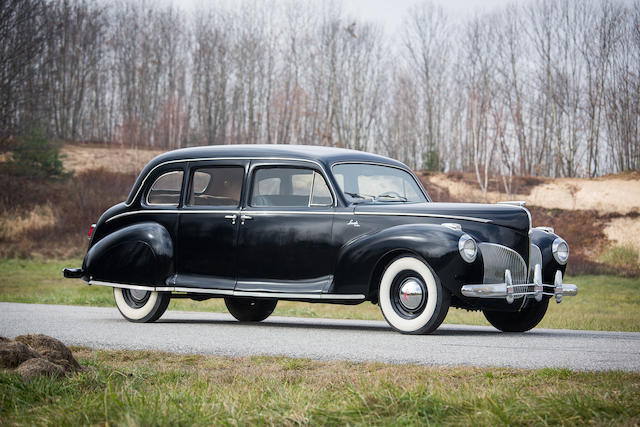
(153, 388)
(606, 303)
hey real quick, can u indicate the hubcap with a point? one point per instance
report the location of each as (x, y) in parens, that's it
(411, 294)
(138, 294)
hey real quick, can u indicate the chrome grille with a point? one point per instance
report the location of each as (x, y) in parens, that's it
(535, 257)
(497, 259)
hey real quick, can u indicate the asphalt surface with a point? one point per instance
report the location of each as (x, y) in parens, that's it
(325, 339)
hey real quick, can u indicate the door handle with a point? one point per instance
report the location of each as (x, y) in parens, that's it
(232, 218)
(244, 218)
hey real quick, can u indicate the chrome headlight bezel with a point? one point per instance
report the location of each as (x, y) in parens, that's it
(560, 250)
(468, 248)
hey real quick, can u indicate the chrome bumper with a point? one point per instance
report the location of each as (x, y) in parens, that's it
(510, 292)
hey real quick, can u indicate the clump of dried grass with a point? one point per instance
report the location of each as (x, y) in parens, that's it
(32, 356)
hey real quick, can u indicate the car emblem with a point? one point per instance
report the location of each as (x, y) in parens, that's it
(354, 223)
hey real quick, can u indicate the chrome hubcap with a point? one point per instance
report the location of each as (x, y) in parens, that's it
(411, 294)
(138, 294)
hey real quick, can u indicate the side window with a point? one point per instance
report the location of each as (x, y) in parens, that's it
(165, 190)
(216, 186)
(289, 187)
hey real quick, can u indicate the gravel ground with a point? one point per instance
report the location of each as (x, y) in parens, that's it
(325, 339)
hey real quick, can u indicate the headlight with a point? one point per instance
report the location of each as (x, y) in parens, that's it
(468, 248)
(560, 250)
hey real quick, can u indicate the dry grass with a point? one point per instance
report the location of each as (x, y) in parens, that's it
(80, 158)
(14, 224)
(50, 218)
(624, 231)
(144, 388)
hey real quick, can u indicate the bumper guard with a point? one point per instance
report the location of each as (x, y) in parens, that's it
(510, 292)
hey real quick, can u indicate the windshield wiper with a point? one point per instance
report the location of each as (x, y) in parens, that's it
(392, 196)
(358, 196)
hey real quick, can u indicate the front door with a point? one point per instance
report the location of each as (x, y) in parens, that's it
(284, 237)
(208, 225)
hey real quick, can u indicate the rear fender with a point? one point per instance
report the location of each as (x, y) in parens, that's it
(140, 254)
(361, 261)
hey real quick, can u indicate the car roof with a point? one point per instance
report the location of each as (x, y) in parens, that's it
(322, 154)
(319, 154)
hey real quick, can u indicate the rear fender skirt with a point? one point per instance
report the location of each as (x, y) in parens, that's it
(141, 253)
(361, 260)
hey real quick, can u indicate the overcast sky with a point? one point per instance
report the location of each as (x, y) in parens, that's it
(389, 13)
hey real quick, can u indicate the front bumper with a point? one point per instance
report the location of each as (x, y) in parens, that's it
(510, 292)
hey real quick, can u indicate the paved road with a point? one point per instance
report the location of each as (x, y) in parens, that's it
(325, 339)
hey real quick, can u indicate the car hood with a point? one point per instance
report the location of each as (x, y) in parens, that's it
(514, 217)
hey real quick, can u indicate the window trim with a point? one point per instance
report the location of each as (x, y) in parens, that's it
(314, 171)
(177, 204)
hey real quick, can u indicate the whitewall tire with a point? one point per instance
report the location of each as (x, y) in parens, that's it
(411, 298)
(140, 306)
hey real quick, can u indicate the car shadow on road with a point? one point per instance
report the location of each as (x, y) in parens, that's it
(327, 325)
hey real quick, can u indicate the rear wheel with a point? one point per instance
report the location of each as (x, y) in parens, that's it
(519, 321)
(250, 309)
(141, 306)
(411, 298)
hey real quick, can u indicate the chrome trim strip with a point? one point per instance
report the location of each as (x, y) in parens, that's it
(463, 218)
(231, 292)
(226, 212)
(298, 296)
(204, 159)
(258, 212)
(121, 285)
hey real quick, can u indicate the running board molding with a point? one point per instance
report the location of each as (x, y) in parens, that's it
(227, 292)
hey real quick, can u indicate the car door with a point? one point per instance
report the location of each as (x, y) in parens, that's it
(208, 225)
(284, 240)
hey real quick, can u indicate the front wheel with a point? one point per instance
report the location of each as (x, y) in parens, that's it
(250, 309)
(519, 321)
(411, 298)
(141, 306)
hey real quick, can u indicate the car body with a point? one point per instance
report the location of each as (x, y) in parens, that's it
(255, 224)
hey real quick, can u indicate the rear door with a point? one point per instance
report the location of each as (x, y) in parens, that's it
(208, 225)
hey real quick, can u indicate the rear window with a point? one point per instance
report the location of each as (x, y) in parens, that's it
(165, 191)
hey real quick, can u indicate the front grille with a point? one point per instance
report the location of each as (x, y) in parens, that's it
(497, 259)
(535, 257)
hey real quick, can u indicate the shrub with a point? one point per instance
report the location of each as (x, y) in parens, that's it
(36, 156)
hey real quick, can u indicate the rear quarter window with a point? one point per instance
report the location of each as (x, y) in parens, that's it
(165, 191)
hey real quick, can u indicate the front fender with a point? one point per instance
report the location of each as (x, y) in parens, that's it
(140, 254)
(361, 261)
(544, 240)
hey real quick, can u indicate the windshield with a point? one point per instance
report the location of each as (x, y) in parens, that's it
(377, 184)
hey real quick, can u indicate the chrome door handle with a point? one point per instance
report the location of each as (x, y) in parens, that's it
(232, 218)
(244, 218)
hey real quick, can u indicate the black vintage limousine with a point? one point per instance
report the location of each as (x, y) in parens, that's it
(255, 224)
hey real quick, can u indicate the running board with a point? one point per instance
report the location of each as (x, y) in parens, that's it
(228, 292)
